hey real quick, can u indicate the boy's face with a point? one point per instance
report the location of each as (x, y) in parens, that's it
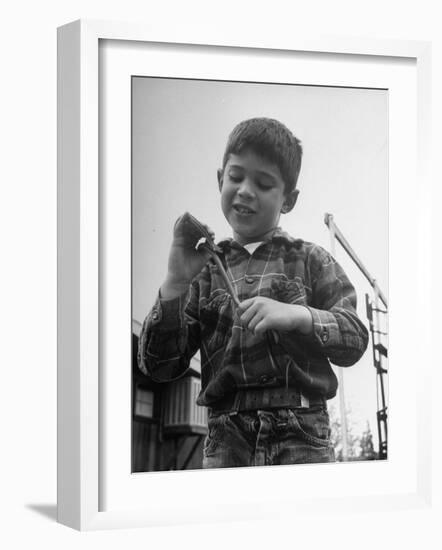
(253, 196)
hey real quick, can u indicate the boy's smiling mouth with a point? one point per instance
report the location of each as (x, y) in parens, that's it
(242, 209)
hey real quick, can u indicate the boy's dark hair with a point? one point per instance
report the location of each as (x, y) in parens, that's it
(273, 141)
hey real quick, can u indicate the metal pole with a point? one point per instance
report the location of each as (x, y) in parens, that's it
(329, 222)
(344, 428)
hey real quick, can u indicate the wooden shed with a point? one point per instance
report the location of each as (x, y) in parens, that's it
(168, 427)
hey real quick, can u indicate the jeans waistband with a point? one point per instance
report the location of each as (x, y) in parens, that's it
(265, 398)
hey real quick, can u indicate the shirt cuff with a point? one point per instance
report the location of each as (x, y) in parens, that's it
(325, 328)
(167, 313)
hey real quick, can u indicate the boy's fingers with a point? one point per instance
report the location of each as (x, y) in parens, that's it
(248, 314)
(245, 304)
(254, 322)
(261, 328)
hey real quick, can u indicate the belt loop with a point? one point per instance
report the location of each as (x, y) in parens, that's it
(235, 404)
(305, 402)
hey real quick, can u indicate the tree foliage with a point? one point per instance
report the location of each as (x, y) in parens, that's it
(359, 446)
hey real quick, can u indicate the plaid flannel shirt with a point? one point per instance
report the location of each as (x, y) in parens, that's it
(285, 269)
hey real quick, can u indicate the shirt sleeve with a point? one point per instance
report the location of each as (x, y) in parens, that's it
(169, 337)
(337, 332)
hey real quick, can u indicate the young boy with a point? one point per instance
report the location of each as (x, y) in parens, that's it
(265, 368)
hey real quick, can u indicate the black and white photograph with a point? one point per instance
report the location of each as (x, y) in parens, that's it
(259, 274)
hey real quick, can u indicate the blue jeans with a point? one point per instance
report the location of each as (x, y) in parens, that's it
(268, 437)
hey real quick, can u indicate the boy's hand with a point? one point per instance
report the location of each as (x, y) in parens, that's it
(185, 261)
(261, 314)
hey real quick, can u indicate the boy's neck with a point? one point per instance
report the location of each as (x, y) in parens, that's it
(258, 239)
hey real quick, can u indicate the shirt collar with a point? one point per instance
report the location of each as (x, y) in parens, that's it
(278, 236)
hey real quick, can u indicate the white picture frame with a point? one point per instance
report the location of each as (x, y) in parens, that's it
(79, 276)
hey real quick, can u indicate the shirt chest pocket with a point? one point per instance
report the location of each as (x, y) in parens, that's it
(216, 318)
(289, 291)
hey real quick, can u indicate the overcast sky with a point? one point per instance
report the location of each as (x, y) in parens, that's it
(180, 128)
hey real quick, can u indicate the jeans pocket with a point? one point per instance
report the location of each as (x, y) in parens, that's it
(312, 425)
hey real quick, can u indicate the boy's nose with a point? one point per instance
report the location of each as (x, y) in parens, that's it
(246, 189)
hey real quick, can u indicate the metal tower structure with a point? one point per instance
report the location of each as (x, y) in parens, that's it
(378, 337)
(380, 357)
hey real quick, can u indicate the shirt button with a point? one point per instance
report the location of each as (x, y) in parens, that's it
(249, 280)
(155, 315)
(325, 336)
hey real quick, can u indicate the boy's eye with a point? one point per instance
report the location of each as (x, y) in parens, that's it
(236, 178)
(264, 186)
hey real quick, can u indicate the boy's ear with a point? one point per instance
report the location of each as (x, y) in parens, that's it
(290, 201)
(219, 174)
